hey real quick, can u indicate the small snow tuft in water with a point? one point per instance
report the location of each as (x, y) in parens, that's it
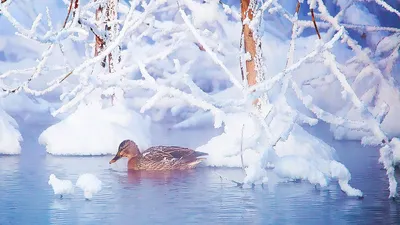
(61, 187)
(90, 184)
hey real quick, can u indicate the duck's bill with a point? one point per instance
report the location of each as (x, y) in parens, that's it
(115, 159)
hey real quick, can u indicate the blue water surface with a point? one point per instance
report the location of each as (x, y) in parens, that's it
(191, 197)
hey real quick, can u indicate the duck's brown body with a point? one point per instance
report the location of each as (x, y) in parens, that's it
(158, 157)
(166, 158)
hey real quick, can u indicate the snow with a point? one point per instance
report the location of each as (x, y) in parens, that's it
(10, 137)
(60, 187)
(301, 156)
(89, 184)
(94, 130)
(180, 65)
(395, 143)
(387, 159)
(297, 167)
(340, 172)
(207, 12)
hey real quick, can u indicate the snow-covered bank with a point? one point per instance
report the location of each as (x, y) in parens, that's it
(10, 137)
(300, 156)
(94, 130)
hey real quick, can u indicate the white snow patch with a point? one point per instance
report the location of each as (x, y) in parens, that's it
(340, 172)
(206, 12)
(300, 156)
(395, 144)
(90, 184)
(10, 137)
(297, 167)
(60, 187)
(224, 150)
(93, 130)
(255, 173)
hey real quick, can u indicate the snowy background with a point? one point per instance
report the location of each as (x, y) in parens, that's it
(180, 70)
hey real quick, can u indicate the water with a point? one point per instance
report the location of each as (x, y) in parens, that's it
(192, 197)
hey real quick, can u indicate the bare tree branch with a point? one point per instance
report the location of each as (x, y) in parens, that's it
(315, 24)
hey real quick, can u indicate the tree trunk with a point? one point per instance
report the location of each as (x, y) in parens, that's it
(99, 42)
(108, 18)
(252, 47)
(112, 32)
(249, 43)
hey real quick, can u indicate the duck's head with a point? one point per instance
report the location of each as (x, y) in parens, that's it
(128, 149)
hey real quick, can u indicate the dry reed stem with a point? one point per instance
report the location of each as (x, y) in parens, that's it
(69, 12)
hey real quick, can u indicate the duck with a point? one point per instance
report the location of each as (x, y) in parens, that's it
(158, 157)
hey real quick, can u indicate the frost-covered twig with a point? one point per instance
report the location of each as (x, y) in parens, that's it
(372, 123)
(239, 184)
(391, 59)
(69, 12)
(150, 83)
(290, 55)
(38, 70)
(47, 38)
(241, 149)
(351, 42)
(323, 115)
(128, 26)
(388, 7)
(359, 27)
(208, 50)
(78, 98)
(268, 84)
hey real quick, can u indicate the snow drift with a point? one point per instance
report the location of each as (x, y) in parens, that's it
(300, 156)
(94, 130)
(10, 137)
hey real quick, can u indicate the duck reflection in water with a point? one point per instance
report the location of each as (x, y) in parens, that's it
(161, 177)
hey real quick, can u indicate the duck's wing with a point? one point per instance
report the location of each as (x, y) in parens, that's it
(158, 153)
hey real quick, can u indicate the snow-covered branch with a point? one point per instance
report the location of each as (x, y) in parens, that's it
(388, 7)
(268, 84)
(209, 51)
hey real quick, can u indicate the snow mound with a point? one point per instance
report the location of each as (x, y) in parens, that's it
(395, 144)
(301, 156)
(94, 130)
(60, 187)
(224, 150)
(10, 137)
(90, 184)
(299, 168)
